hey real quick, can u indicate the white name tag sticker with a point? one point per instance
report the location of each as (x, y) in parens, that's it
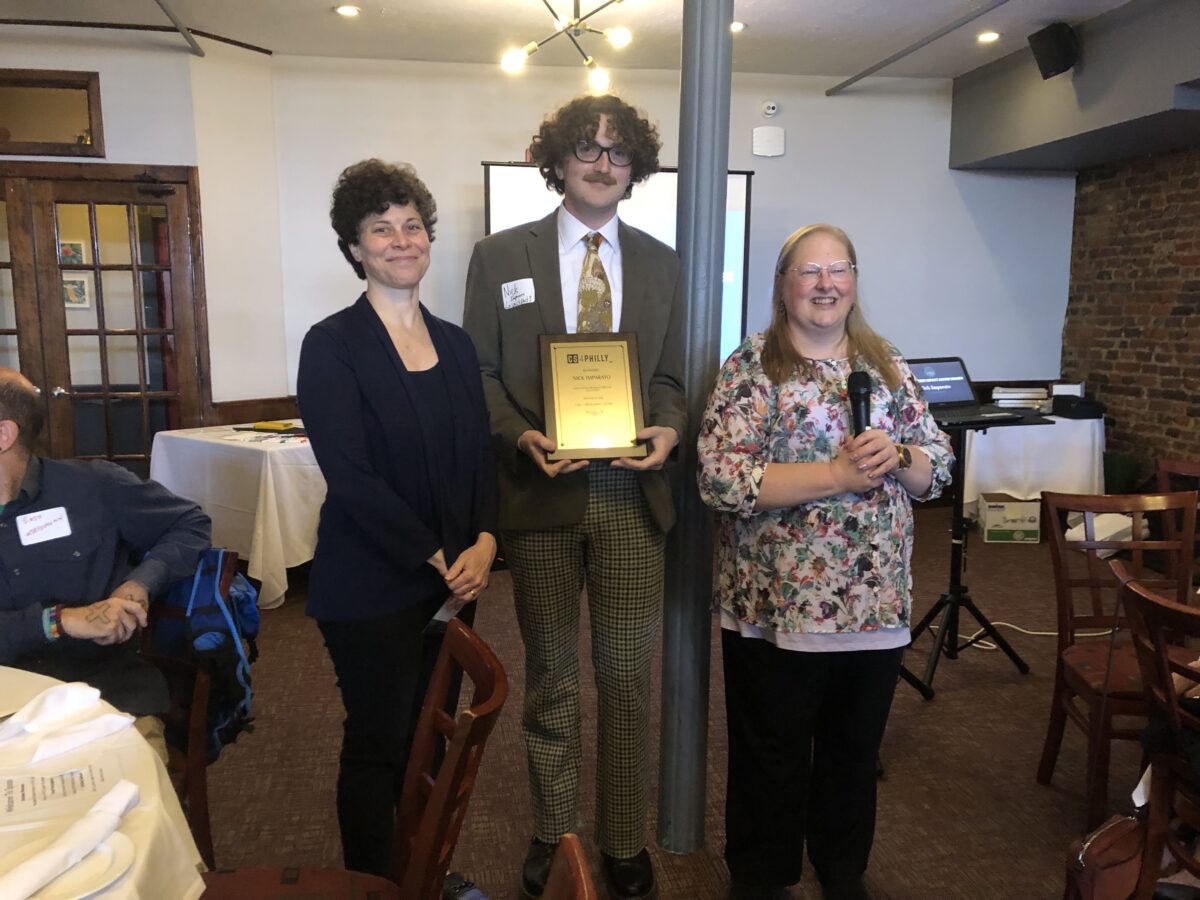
(45, 525)
(517, 293)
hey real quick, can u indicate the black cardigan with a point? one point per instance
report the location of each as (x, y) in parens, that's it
(385, 512)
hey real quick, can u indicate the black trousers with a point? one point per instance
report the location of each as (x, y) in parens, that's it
(804, 734)
(383, 668)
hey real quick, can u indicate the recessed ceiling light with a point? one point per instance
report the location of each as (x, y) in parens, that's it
(347, 10)
(737, 27)
(988, 37)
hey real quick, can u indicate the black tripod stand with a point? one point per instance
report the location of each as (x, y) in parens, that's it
(956, 597)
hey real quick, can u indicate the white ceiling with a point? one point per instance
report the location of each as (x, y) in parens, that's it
(796, 37)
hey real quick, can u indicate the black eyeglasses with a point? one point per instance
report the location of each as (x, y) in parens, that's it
(590, 151)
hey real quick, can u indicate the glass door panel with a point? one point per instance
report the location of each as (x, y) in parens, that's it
(9, 354)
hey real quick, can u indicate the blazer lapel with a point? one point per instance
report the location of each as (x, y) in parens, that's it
(633, 281)
(542, 248)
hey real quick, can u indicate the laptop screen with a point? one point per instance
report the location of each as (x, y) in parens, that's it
(943, 380)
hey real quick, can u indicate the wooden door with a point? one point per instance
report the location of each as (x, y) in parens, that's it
(104, 319)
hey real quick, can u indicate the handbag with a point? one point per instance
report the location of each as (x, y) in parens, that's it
(1105, 864)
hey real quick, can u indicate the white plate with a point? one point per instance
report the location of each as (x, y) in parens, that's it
(18, 687)
(96, 871)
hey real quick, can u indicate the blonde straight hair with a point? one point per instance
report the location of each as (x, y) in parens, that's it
(781, 360)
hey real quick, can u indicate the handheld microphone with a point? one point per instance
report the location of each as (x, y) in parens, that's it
(859, 388)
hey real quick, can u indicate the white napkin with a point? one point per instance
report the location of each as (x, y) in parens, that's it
(77, 735)
(72, 845)
(49, 709)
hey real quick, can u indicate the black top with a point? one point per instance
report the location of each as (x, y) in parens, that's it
(431, 398)
(121, 528)
(382, 447)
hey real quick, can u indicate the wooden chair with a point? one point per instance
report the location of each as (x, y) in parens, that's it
(1180, 475)
(433, 801)
(1160, 627)
(570, 878)
(189, 687)
(1095, 680)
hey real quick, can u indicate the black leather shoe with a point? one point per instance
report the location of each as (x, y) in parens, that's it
(630, 879)
(536, 869)
(741, 891)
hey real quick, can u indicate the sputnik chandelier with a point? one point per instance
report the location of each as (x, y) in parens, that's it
(513, 61)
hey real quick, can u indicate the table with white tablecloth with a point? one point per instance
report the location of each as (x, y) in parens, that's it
(165, 860)
(1025, 460)
(263, 492)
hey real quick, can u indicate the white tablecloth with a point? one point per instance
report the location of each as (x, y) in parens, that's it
(1025, 460)
(166, 860)
(264, 496)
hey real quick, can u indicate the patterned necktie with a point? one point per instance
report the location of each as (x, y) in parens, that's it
(595, 295)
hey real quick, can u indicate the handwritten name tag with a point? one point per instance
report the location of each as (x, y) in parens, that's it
(517, 293)
(45, 525)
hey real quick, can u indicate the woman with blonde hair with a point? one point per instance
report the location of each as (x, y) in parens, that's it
(813, 585)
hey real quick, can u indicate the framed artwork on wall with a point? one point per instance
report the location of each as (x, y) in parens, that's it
(70, 253)
(75, 292)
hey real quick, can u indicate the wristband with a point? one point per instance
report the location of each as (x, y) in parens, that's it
(52, 622)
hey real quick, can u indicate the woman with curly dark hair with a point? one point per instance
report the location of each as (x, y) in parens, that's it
(393, 405)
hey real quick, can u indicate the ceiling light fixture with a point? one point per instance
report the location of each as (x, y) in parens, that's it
(737, 27)
(514, 59)
(988, 37)
(347, 10)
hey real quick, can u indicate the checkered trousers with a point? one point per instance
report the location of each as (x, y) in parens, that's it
(617, 551)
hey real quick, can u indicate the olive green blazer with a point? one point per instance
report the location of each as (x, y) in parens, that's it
(507, 343)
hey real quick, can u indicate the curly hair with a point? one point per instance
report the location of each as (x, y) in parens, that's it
(558, 135)
(368, 188)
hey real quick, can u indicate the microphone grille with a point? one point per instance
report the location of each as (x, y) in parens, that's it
(859, 383)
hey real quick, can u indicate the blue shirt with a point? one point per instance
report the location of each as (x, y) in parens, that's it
(121, 528)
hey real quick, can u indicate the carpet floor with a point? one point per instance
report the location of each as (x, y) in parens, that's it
(960, 814)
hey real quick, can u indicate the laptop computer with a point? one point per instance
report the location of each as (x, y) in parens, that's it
(951, 396)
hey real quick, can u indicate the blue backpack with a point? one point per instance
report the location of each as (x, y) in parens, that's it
(219, 637)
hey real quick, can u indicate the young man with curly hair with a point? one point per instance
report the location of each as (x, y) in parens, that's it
(568, 523)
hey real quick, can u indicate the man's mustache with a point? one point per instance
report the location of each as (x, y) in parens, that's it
(600, 178)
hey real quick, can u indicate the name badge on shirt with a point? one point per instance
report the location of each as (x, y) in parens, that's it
(517, 293)
(45, 525)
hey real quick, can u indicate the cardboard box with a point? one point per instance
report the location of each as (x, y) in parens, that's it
(1007, 520)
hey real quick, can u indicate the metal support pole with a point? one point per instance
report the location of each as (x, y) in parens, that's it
(700, 239)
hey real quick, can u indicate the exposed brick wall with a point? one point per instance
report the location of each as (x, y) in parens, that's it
(1132, 330)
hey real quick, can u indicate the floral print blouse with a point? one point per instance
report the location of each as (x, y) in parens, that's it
(835, 565)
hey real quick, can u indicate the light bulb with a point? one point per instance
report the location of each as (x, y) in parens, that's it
(347, 10)
(619, 37)
(598, 79)
(987, 37)
(513, 60)
(737, 27)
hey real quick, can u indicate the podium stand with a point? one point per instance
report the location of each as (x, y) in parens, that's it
(949, 606)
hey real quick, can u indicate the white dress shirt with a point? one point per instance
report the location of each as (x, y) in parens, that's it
(571, 253)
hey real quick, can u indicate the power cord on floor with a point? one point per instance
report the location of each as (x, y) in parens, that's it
(988, 645)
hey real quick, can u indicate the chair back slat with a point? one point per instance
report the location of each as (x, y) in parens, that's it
(1160, 626)
(428, 820)
(1180, 475)
(1086, 588)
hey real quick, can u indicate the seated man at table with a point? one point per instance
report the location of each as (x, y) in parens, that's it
(84, 546)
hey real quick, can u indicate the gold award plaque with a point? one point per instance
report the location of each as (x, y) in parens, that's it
(593, 397)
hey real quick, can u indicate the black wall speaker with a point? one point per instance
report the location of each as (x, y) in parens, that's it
(1055, 48)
